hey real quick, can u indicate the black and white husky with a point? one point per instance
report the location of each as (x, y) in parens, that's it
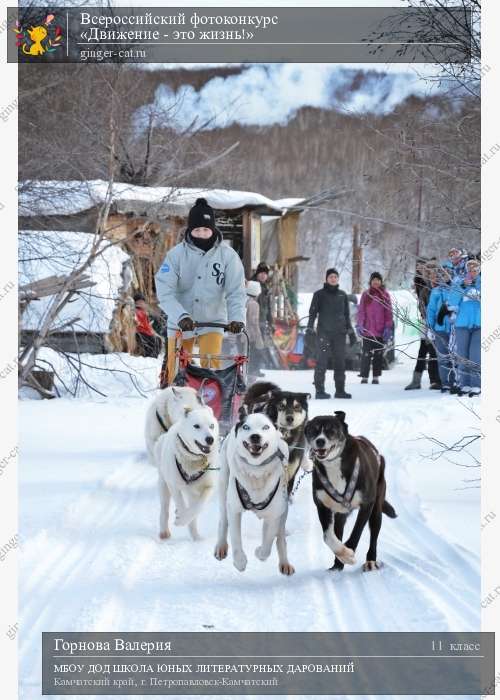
(348, 474)
(253, 478)
(186, 457)
(288, 410)
(167, 407)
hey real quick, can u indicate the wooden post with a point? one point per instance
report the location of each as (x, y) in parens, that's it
(247, 243)
(357, 260)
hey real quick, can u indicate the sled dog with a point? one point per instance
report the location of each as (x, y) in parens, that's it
(288, 411)
(165, 409)
(252, 478)
(348, 474)
(186, 456)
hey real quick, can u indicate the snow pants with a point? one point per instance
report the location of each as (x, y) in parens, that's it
(208, 343)
(330, 348)
(469, 356)
(444, 358)
(372, 354)
(427, 348)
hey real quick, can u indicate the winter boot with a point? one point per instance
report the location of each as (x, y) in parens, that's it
(416, 382)
(375, 380)
(321, 394)
(364, 380)
(340, 392)
(436, 385)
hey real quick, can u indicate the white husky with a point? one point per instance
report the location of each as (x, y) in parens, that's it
(186, 457)
(253, 477)
(165, 409)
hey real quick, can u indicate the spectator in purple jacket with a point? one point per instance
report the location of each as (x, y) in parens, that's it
(375, 326)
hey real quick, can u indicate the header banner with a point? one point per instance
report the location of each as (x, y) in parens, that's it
(238, 35)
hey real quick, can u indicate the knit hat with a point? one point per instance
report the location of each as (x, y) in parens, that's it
(331, 271)
(376, 276)
(201, 215)
(262, 267)
(253, 288)
(139, 297)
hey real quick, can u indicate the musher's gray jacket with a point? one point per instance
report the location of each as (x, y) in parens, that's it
(206, 286)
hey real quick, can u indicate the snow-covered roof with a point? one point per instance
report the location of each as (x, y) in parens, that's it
(60, 197)
(46, 253)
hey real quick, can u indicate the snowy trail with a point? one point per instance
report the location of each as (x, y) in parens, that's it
(91, 559)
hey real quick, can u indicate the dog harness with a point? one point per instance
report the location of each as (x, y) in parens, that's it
(161, 422)
(278, 453)
(345, 498)
(189, 478)
(246, 500)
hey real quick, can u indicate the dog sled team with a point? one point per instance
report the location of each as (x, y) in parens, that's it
(255, 467)
(201, 289)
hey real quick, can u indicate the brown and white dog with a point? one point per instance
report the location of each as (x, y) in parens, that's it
(348, 474)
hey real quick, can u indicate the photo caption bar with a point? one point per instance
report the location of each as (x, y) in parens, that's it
(293, 663)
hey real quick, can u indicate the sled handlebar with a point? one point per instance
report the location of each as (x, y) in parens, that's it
(211, 324)
(225, 327)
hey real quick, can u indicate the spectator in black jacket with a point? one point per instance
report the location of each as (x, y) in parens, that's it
(330, 306)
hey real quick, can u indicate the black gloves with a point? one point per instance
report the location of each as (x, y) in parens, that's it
(443, 311)
(186, 324)
(235, 327)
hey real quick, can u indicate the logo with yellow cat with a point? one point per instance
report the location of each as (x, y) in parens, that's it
(38, 39)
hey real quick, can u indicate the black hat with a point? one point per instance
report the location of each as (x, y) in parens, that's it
(331, 271)
(139, 297)
(376, 276)
(201, 216)
(262, 267)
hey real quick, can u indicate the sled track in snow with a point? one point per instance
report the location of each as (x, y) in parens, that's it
(102, 567)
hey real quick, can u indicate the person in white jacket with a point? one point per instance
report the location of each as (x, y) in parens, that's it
(201, 279)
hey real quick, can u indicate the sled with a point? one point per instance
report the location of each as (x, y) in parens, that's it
(221, 389)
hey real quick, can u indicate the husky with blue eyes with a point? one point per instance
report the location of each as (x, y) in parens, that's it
(253, 477)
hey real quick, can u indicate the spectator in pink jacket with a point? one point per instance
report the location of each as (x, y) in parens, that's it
(375, 326)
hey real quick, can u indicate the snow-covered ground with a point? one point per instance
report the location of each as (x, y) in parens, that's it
(91, 559)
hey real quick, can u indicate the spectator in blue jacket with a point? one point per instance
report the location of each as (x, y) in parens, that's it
(439, 324)
(465, 301)
(457, 259)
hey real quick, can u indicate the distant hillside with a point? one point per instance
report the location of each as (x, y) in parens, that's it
(407, 164)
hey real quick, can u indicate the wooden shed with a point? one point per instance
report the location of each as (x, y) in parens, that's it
(147, 221)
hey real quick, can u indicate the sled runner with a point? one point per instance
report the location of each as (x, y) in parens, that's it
(221, 389)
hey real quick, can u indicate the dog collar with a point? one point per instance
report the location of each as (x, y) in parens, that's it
(278, 453)
(161, 422)
(345, 498)
(189, 478)
(200, 456)
(246, 500)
